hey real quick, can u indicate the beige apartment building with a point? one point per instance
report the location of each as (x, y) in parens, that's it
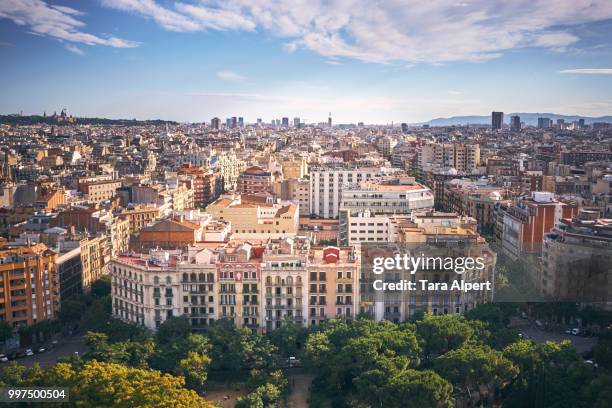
(256, 217)
(333, 284)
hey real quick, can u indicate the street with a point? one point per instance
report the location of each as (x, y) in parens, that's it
(65, 348)
(526, 326)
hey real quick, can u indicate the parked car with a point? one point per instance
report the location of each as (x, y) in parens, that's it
(20, 354)
(592, 363)
(41, 350)
(523, 315)
(29, 352)
(575, 331)
(3, 358)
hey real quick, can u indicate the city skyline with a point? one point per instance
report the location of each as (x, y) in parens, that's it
(192, 61)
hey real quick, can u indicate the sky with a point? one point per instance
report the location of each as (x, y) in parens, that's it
(361, 60)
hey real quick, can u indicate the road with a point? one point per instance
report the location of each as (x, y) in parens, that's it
(65, 348)
(581, 344)
(300, 390)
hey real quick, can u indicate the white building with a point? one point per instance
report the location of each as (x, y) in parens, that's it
(327, 184)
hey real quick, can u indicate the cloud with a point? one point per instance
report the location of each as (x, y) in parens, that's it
(407, 31)
(333, 62)
(230, 76)
(596, 71)
(74, 49)
(57, 22)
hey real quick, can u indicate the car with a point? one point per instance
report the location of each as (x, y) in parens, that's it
(592, 363)
(29, 352)
(20, 354)
(41, 350)
(575, 331)
(568, 331)
(3, 358)
(523, 315)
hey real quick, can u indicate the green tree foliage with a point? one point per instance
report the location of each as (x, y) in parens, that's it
(346, 354)
(101, 287)
(551, 375)
(443, 333)
(289, 338)
(238, 349)
(194, 369)
(6, 331)
(99, 384)
(472, 366)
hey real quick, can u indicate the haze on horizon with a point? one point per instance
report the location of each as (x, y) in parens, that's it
(403, 61)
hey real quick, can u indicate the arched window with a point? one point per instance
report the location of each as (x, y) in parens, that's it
(168, 280)
(156, 280)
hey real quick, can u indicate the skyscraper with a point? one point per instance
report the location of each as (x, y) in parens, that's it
(497, 120)
(544, 123)
(215, 123)
(404, 128)
(285, 122)
(515, 123)
(228, 123)
(240, 122)
(296, 122)
(234, 122)
(329, 121)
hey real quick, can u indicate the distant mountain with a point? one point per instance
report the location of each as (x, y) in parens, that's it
(527, 118)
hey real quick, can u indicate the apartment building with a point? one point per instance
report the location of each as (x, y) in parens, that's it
(285, 284)
(576, 259)
(529, 219)
(333, 284)
(462, 157)
(140, 215)
(327, 184)
(296, 190)
(256, 217)
(254, 180)
(394, 196)
(29, 284)
(239, 277)
(96, 190)
(432, 241)
(230, 167)
(476, 199)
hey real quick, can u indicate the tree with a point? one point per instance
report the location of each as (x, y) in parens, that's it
(289, 338)
(173, 328)
(100, 384)
(472, 366)
(551, 374)
(440, 334)
(101, 287)
(71, 310)
(6, 331)
(412, 388)
(194, 368)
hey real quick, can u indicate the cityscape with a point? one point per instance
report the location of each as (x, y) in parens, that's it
(315, 228)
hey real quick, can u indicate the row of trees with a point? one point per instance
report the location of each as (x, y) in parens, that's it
(451, 360)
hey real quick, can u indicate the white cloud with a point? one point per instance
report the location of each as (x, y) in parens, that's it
(600, 71)
(74, 49)
(230, 76)
(408, 31)
(57, 22)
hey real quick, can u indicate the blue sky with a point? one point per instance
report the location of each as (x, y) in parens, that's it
(377, 62)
